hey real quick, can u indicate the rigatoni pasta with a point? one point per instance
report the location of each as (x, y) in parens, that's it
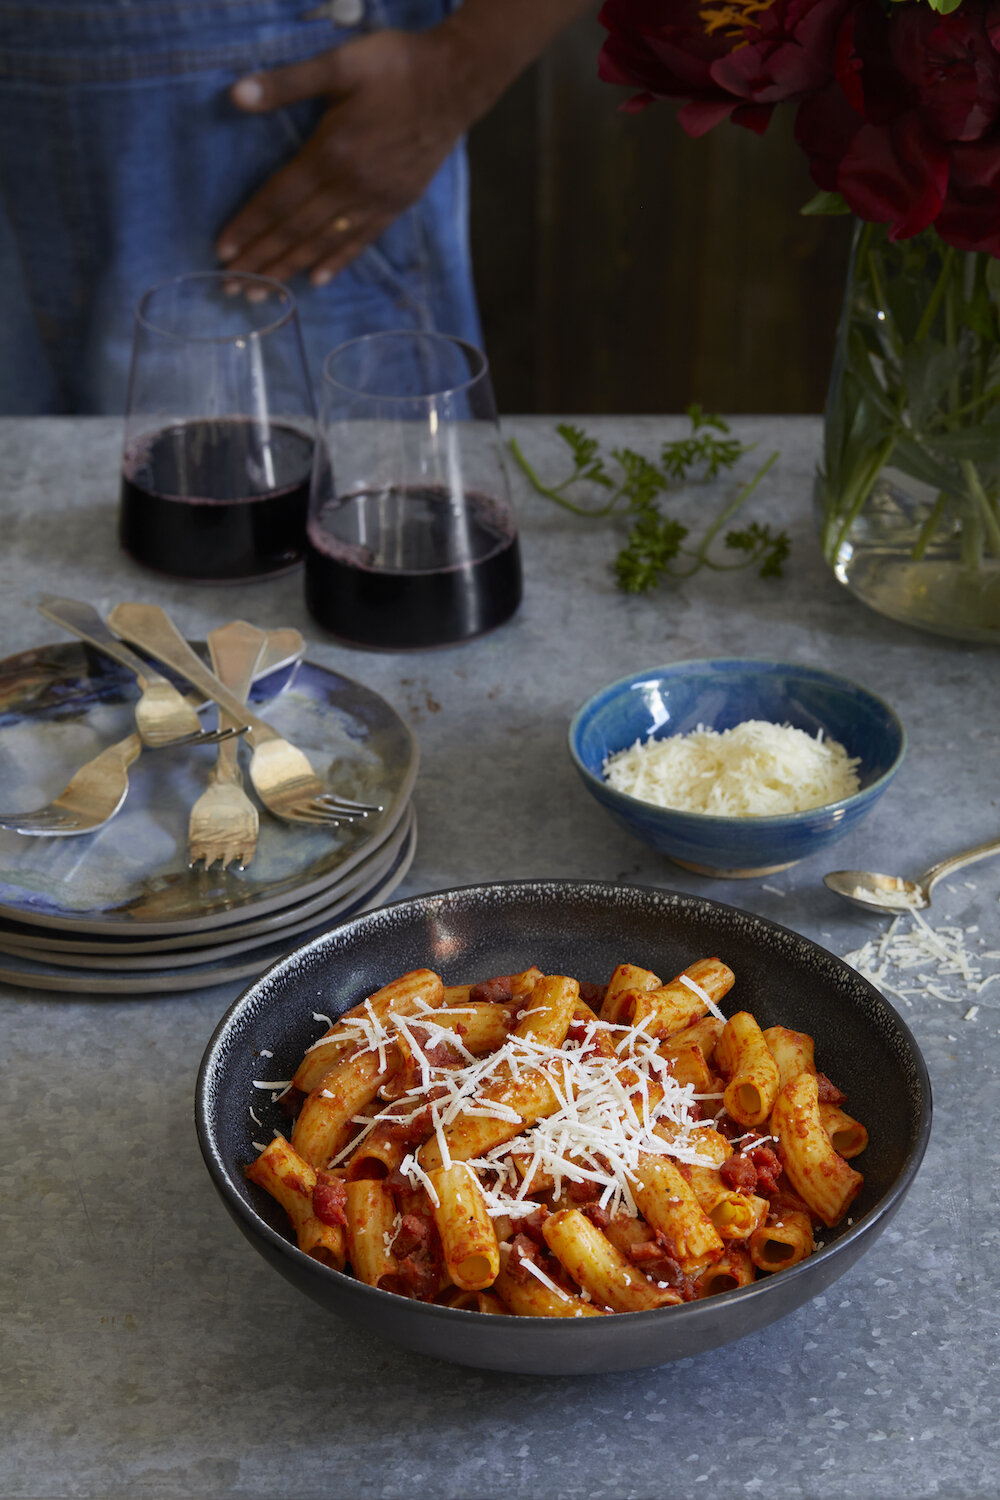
(537, 1146)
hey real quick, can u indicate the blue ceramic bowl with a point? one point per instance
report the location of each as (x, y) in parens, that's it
(719, 695)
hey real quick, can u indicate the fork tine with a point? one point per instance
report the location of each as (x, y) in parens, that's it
(225, 857)
(346, 805)
(41, 815)
(216, 736)
(308, 812)
(43, 818)
(206, 737)
(46, 830)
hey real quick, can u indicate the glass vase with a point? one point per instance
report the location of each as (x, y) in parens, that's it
(908, 494)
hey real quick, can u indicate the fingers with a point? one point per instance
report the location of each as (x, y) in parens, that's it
(278, 233)
(352, 243)
(285, 195)
(304, 216)
(371, 155)
(321, 237)
(280, 86)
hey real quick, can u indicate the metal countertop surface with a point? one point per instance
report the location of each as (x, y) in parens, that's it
(148, 1352)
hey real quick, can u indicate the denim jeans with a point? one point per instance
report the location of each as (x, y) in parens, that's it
(121, 159)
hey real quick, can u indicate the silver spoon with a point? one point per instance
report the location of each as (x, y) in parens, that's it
(892, 892)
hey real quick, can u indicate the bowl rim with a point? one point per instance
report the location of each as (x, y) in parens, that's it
(867, 1226)
(771, 820)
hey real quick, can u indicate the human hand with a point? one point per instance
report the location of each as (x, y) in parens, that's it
(394, 115)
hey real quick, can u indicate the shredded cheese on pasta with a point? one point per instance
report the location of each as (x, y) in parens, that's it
(595, 1136)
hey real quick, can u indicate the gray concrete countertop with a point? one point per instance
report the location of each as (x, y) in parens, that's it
(148, 1352)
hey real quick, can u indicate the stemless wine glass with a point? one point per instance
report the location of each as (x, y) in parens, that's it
(219, 430)
(411, 540)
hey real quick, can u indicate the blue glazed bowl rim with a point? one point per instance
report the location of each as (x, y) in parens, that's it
(612, 689)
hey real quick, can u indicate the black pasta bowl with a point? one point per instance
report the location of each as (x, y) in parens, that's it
(584, 929)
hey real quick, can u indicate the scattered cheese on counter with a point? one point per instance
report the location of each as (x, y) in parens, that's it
(754, 770)
(911, 944)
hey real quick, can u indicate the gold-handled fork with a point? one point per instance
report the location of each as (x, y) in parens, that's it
(224, 823)
(282, 775)
(99, 788)
(163, 716)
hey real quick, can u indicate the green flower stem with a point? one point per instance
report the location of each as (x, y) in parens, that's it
(554, 492)
(858, 492)
(985, 399)
(929, 527)
(953, 358)
(701, 558)
(982, 525)
(987, 514)
(970, 541)
(934, 300)
(951, 339)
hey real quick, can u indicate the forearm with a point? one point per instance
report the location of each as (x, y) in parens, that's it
(490, 42)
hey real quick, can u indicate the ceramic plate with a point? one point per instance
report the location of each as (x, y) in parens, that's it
(35, 975)
(57, 947)
(60, 705)
(227, 941)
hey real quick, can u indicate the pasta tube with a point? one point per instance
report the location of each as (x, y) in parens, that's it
(531, 1097)
(550, 1010)
(370, 1213)
(468, 1239)
(752, 1072)
(847, 1135)
(325, 1121)
(822, 1179)
(688, 1066)
(290, 1180)
(595, 1264)
(379, 1153)
(734, 1215)
(668, 1202)
(704, 1033)
(406, 995)
(791, 1050)
(784, 1242)
(626, 979)
(531, 1298)
(734, 1269)
(484, 1302)
(673, 1006)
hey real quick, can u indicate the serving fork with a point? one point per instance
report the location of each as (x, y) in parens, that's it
(163, 716)
(99, 788)
(224, 823)
(281, 773)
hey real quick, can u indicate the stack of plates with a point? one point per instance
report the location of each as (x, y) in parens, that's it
(118, 911)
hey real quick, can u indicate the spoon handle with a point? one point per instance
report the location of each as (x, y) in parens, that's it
(959, 861)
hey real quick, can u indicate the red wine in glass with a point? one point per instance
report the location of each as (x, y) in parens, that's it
(220, 430)
(411, 539)
(215, 500)
(410, 567)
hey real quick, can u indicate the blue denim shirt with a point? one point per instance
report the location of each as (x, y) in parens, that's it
(121, 158)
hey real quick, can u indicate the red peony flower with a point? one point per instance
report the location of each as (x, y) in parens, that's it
(898, 106)
(723, 58)
(909, 131)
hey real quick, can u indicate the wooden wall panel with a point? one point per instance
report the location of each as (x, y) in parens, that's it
(623, 267)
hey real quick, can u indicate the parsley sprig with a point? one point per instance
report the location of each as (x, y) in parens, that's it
(654, 547)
